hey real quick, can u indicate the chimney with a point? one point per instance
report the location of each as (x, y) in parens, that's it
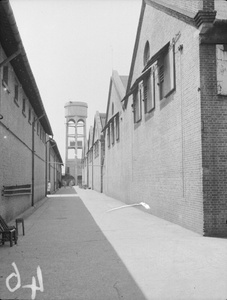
(208, 5)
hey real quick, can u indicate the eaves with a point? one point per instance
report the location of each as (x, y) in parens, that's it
(11, 42)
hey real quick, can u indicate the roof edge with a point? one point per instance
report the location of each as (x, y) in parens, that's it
(39, 108)
(135, 50)
(174, 11)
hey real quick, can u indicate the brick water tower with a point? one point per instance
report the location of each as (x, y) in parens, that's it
(76, 115)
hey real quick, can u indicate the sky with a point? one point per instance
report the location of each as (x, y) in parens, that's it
(72, 47)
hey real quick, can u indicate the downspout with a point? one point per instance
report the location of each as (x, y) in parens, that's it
(46, 161)
(102, 162)
(33, 155)
(87, 164)
(46, 169)
(92, 170)
(33, 160)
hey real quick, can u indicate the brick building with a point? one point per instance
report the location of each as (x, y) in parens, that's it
(94, 155)
(54, 165)
(166, 138)
(98, 151)
(114, 164)
(24, 125)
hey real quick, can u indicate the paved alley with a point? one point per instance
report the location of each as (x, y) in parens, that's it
(85, 252)
(75, 258)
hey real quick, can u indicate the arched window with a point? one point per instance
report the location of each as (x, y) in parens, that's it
(80, 127)
(146, 54)
(71, 139)
(80, 138)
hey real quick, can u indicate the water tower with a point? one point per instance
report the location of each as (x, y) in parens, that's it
(75, 114)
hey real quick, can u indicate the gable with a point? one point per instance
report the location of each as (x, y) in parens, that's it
(189, 8)
(154, 13)
(90, 138)
(117, 91)
(98, 126)
(103, 119)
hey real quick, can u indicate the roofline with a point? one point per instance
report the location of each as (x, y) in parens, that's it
(55, 148)
(108, 102)
(27, 80)
(97, 116)
(193, 19)
(174, 11)
(135, 50)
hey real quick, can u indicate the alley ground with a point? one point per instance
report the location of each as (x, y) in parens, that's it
(85, 252)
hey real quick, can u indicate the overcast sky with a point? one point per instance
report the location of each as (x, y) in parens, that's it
(72, 47)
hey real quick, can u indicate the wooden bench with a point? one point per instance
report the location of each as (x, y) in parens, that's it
(17, 190)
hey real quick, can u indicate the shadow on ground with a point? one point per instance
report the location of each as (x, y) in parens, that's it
(75, 258)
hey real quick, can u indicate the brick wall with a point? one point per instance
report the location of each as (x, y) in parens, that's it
(90, 173)
(97, 170)
(167, 145)
(97, 154)
(15, 149)
(208, 4)
(190, 6)
(214, 143)
(159, 160)
(117, 167)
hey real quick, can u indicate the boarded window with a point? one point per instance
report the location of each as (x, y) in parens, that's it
(112, 132)
(117, 127)
(166, 65)
(149, 92)
(137, 103)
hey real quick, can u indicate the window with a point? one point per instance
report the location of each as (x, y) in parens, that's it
(149, 92)
(112, 132)
(137, 103)
(166, 73)
(117, 127)
(34, 121)
(5, 75)
(16, 92)
(37, 124)
(96, 148)
(29, 115)
(24, 106)
(161, 81)
(44, 137)
(108, 136)
(146, 54)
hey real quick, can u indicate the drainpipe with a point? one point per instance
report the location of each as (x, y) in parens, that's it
(33, 159)
(46, 165)
(92, 169)
(33, 155)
